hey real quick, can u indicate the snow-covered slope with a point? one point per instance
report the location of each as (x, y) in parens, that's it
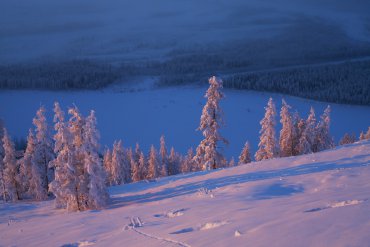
(319, 199)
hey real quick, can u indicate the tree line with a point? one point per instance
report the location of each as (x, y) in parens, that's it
(68, 165)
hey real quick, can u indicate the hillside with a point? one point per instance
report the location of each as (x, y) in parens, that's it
(320, 199)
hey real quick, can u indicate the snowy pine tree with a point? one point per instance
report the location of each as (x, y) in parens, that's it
(63, 184)
(245, 156)
(267, 147)
(367, 135)
(117, 169)
(142, 173)
(163, 157)
(11, 186)
(323, 139)
(173, 162)
(25, 169)
(98, 195)
(347, 139)
(307, 140)
(286, 132)
(107, 163)
(41, 157)
(298, 127)
(187, 164)
(153, 164)
(362, 136)
(207, 154)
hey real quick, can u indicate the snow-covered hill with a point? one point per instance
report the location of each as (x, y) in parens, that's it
(320, 199)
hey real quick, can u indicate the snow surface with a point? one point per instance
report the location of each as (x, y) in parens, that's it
(320, 199)
(135, 114)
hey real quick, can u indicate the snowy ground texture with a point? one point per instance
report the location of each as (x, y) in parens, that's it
(320, 199)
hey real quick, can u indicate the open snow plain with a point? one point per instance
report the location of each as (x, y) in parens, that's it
(320, 199)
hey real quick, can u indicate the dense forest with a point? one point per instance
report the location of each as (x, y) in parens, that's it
(347, 83)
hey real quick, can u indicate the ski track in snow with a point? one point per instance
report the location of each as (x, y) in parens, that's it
(137, 222)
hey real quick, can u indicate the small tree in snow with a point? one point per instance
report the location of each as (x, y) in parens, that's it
(63, 184)
(298, 128)
(232, 162)
(107, 163)
(267, 147)
(153, 164)
(245, 156)
(11, 186)
(286, 132)
(43, 154)
(362, 136)
(117, 164)
(307, 140)
(174, 161)
(323, 139)
(163, 157)
(25, 169)
(207, 154)
(142, 166)
(367, 135)
(98, 195)
(347, 139)
(187, 164)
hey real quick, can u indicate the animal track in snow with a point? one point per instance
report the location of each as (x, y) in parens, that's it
(337, 205)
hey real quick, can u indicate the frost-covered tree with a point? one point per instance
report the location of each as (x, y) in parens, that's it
(267, 147)
(347, 139)
(232, 162)
(187, 164)
(298, 127)
(107, 163)
(81, 177)
(245, 156)
(362, 136)
(153, 164)
(25, 168)
(79, 182)
(207, 154)
(367, 135)
(142, 166)
(307, 140)
(117, 165)
(323, 138)
(43, 154)
(135, 169)
(11, 186)
(173, 162)
(286, 133)
(163, 157)
(63, 186)
(98, 195)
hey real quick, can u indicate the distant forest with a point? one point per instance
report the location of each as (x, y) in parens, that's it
(347, 83)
